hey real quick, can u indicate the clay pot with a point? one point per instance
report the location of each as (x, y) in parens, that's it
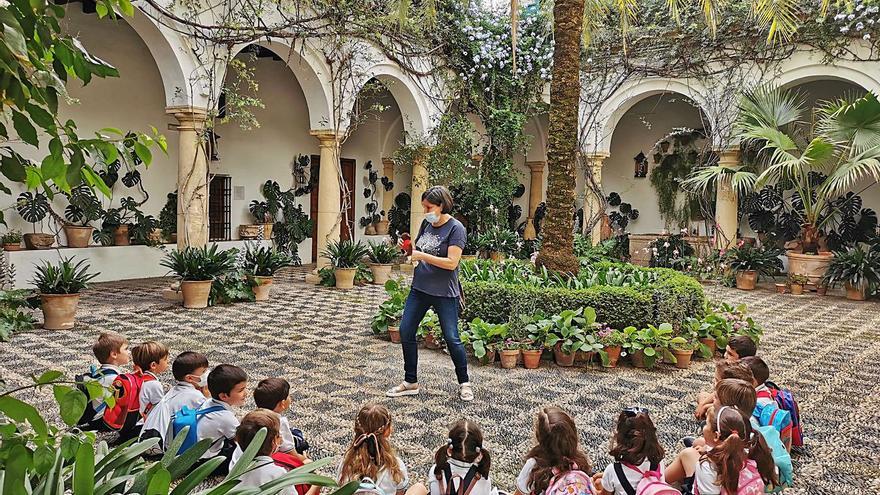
(856, 293)
(344, 277)
(780, 288)
(531, 358)
(267, 230)
(468, 257)
(59, 310)
(638, 359)
(585, 358)
(562, 359)
(195, 293)
(382, 227)
(120, 236)
(496, 256)
(370, 229)
(249, 231)
(797, 289)
(155, 237)
(813, 266)
(613, 353)
(394, 334)
(746, 279)
(12, 247)
(261, 291)
(509, 358)
(489, 358)
(683, 358)
(39, 241)
(381, 273)
(78, 237)
(711, 344)
(431, 342)
(821, 290)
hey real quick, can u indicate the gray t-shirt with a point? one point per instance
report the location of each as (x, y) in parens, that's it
(435, 241)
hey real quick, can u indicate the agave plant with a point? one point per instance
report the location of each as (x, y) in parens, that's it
(204, 263)
(65, 277)
(383, 253)
(857, 266)
(264, 261)
(345, 253)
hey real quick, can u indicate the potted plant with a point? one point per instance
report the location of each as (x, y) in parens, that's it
(704, 333)
(749, 262)
(484, 337)
(391, 309)
(59, 286)
(649, 344)
(168, 218)
(345, 256)
(12, 240)
(117, 222)
(83, 209)
(261, 263)
(34, 208)
(533, 346)
(510, 352)
(797, 282)
(197, 269)
(821, 289)
(683, 349)
(472, 247)
(264, 212)
(499, 242)
(859, 270)
(566, 333)
(612, 345)
(429, 330)
(382, 258)
(780, 287)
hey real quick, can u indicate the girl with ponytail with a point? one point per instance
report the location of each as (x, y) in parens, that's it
(635, 450)
(557, 452)
(461, 465)
(371, 454)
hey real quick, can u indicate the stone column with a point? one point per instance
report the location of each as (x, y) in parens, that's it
(329, 195)
(192, 177)
(594, 202)
(419, 185)
(387, 196)
(536, 193)
(726, 202)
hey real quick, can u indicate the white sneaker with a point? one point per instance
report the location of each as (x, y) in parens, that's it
(403, 389)
(466, 392)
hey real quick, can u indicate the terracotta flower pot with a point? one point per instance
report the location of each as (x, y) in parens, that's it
(381, 273)
(370, 229)
(531, 358)
(195, 293)
(711, 344)
(39, 241)
(856, 293)
(488, 358)
(12, 247)
(249, 231)
(797, 289)
(585, 358)
(382, 227)
(562, 359)
(121, 236)
(509, 358)
(173, 238)
(683, 358)
(780, 288)
(746, 279)
(59, 310)
(813, 266)
(821, 290)
(431, 342)
(496, 256)
(613, 353)
(344, 277)
(394, 334)
(78, 237)
(261, 291)
(638, 359)
(267, 230)
(155, 236)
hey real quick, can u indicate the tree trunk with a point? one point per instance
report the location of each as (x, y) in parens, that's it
(557, 250)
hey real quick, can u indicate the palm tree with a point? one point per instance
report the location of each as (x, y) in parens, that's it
(820, 160)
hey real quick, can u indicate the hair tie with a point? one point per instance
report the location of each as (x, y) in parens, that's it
(449, 442)
(478, 449)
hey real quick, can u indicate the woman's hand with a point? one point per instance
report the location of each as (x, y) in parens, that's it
(416, 255)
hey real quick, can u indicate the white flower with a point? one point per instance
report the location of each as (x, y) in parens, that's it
(844, 29)
(860, 26)
(3, 4)
(666, 244)
(867, 36)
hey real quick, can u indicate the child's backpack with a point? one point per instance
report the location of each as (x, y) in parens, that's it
(368, 487)
(772, 415)
(781, 457)
(465, 485)
(573, 482)
(750, 482)
(785, 400)
(651, 483)
(288, 461)
(190, 417)
(94, 374)
(126, 411)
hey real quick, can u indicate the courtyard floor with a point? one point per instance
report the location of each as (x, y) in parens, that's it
(825, 349)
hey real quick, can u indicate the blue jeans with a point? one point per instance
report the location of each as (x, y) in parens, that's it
(417, 304)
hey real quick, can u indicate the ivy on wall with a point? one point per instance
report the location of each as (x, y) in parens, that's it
(675, 156)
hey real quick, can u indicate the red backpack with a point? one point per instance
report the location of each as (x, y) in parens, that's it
(125, 413)
(288, 461)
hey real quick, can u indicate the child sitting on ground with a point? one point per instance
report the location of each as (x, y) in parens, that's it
(464, 458)
(723, 369)
(732, 459)
(274, 394)
(371, 454)
(190, 370)
(152, 360)
(228, 386)
(760, 375)
(556, 455)
(111, 351)
(738, 347)
(635, 450)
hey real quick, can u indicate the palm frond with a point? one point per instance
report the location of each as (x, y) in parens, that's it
(771, 107)
(710, 10)
(702, 180)
(628, 12)
(675, 7)
(845, 177)
(852, 120)
(787, 165)
(778, 17)
(594, 12)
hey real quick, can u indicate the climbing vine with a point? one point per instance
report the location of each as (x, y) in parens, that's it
(675, 156)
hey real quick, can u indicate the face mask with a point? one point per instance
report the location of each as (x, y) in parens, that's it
(432, 217)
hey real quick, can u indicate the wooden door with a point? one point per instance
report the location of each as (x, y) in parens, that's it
(346, 231)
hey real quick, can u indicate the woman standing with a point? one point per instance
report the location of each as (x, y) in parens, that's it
(437, 248)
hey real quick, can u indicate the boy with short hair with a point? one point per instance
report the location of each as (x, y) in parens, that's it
(265, 469)
(274, 394)
(739, 347)
(760, 374)
(228, 386)
(151, 358)
(190, 370)
(111, 351)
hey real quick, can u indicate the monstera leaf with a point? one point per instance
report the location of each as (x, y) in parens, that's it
(32, 207)
(132, 178)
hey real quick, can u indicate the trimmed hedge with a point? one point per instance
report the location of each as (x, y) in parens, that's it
(672, 298)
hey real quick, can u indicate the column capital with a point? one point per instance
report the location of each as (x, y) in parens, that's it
(536, 166)
(326, 137)
(728, 157)
(188, 118)
(387, 161)
(597, 159)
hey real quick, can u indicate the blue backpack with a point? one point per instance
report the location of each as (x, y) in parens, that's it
(190, 417)
(785, 400)
(772, 415)
(781, 457)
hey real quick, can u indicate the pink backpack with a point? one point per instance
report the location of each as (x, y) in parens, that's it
(573, 482)
(750, 482)
(651, 483)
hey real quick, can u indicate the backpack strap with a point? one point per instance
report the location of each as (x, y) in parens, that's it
(621, 478)
(208, 410)
(469, 481)
(445, 479)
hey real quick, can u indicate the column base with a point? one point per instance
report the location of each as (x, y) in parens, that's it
(313, 278)
(529, 234)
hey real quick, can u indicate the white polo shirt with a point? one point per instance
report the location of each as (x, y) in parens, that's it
(217, 426)
(287, 441)
(151, 394)
(159, 419)
(459, 472)
(264, 471)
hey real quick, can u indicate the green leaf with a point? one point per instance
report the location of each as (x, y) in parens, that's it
(15, 41)
(13, 168)
(649, 351)
(101, 9)
(22, 411)
(41, 116)
(15, 469)
(48, 376)
(197, 476)
(72, 405)
(143, 153)
(95, 389)
(24, 128)
(33, 178)
(69, 447)
(126, 7)
(44, 458)
(84, 470)
(52, 167)
(95, 180)
(160, 482)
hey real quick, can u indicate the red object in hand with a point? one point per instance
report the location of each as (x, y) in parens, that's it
(406, 245)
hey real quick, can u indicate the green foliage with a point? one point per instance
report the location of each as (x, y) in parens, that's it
(399, 216)
(571, 329)
(383, 253)
(391, 309)
(14, 316)
(168, 216)
(65, 277)
(653, 341)
(204, 263)
(231, 289)
(670, 252)
(345, 253)
(33, 207)
(675, 157)
(83, 207)
(11, 237)
(524, 273)
(293, 228)
(764, 260)
(430, 325)
(483, 336)
(264, 261)
(857, 266)
(499, 239)
(720, 321)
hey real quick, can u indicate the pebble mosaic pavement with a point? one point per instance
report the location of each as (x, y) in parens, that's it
(825, 349)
